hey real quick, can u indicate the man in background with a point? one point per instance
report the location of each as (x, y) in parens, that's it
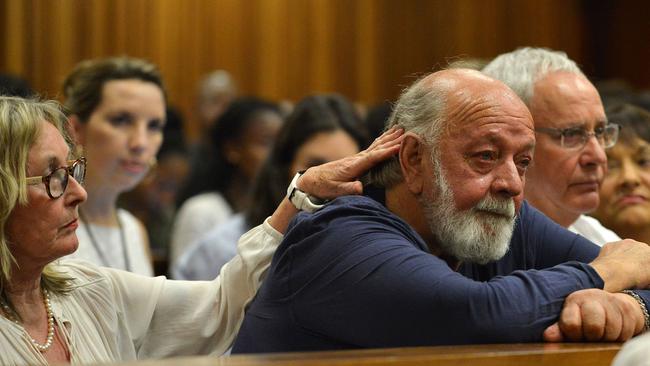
(572, 134)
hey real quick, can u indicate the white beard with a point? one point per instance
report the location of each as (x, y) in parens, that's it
(480, 234)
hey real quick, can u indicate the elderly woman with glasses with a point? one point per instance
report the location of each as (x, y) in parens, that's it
(625, 192)
(69, 311)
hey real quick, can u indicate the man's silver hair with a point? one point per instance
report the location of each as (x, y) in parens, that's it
(523, 67)
(420, 110)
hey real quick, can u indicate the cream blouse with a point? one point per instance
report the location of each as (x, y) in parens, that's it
(112, 315)
(109, 241)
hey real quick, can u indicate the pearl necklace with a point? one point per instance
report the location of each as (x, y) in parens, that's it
(10, 314)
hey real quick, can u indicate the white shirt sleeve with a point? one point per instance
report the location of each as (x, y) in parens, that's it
(204, 317)
(113, 315)
(203, 260)
(635, 352)
(197, 216)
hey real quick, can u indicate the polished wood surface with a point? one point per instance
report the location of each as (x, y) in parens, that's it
(557, 354)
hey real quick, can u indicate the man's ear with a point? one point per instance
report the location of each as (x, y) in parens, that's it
(78, 130)
(412, 158)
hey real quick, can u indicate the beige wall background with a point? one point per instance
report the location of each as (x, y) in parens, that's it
(367, 50)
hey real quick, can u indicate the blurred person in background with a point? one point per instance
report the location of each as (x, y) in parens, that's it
(220, 186)
(117, 110)
(322, 128)
(15, 86)
(153, 201)
(635, 352)
(625, 192)
(377, 117)
(214, 93)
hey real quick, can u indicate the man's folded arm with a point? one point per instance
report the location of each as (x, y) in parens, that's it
(389, 293)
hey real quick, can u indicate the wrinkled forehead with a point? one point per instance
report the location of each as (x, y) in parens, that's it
(49, 148)
(561, 98)
(487, 103)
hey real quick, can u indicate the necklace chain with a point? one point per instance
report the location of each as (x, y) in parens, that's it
(97, 247)
(11, 315)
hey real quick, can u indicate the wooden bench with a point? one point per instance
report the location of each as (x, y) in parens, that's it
(548, 354)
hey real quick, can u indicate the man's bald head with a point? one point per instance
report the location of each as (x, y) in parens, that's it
(437, 102)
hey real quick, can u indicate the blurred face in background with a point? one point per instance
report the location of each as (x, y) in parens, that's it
(321, 148)
(625, 192)
(123, 134)
(249, 151)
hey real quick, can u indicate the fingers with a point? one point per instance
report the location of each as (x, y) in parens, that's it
(596, 315)
(628, 328)
(632, 318)
(594, 320)
(363, 161)
(570, 322)
(360, 163)
(339, 177)
(553, 334)
(348, 188)
(387, 137)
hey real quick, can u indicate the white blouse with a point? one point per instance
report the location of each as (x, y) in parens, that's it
(109, 242)
(203, 260)
(112, 315)
(593, 230)
(195, 217)
(635, 352)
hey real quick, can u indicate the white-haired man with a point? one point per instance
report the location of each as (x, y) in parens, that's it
(564, 180)
(444, 250)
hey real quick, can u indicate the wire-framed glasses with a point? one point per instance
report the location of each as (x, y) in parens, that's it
(57, 181)
(576, 137)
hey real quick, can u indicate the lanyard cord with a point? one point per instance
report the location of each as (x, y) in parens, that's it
(95, 243)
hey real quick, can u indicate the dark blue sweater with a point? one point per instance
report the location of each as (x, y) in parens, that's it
(354, 275)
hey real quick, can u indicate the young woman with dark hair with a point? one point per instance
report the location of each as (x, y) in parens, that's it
(322, 128)
(241, 140)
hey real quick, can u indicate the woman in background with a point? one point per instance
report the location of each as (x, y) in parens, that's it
(117, 109)
(321, 128)
(241, 139)
(625, 191)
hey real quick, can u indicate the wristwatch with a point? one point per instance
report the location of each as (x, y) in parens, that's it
(300, 199)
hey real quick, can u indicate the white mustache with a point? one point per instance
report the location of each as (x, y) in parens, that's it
(503, 207)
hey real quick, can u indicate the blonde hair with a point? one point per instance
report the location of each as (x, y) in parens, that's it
(20, 124)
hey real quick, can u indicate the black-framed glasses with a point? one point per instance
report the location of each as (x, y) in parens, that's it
(576, 137)
(57, 181)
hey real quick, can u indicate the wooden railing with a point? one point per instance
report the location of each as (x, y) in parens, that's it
(559, 354)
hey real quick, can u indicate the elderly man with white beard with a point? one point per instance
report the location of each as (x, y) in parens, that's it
(442, 249)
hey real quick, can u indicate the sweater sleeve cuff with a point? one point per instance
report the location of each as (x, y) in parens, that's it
(591, 279)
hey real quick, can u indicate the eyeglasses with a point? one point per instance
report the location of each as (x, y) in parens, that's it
(57, 181)
(576, 137)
